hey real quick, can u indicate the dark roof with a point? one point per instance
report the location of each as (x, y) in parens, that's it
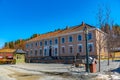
(20, 51)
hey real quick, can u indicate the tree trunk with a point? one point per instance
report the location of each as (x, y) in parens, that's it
(108, 58)
(99, 61)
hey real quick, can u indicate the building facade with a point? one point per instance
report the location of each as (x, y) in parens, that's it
(7, 56)
(64, 44)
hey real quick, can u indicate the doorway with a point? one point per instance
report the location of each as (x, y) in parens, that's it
(50, 51)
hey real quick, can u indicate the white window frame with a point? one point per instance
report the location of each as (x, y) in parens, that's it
(47, 51)
(31, 45)
(31, 51)
(69, 49)
(55, 51)
(55, 40)
(78, 37)
(36, 44)
(40, 53)
(92, 46)
(61, 40)
(78, 48)
(46, 44)
(55, 46)
(51, 42)
(35, 53)
(40, 43)
(91, 35)
(64, 49)
(69, 38)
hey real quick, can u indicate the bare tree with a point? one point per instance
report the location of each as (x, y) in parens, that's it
(101, 39)
(100, 18)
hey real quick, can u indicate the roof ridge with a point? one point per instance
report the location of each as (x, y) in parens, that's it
(61, 31)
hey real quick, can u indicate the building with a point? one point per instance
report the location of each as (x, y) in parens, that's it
(12, 56)
(7, 55)
(20, 56)
(64, 45)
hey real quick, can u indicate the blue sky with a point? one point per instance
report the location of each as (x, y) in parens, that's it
(19, 19)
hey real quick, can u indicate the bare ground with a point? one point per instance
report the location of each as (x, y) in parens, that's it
(52, 72)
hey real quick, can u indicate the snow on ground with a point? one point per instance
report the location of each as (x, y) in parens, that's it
(42, 71)
(4, 73)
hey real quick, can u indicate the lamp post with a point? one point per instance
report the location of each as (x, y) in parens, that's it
(87, 52)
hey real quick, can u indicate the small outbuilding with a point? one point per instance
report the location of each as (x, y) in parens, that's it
(20, 56)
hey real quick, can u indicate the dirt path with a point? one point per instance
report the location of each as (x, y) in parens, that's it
(9, 73)
(23, 74)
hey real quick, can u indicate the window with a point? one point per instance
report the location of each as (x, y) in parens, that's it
(90, 47)
(79, 48)
(50, 42)
(40, 43)
(63, 49)
(35, 52)
(89, 36)
(45, 52)
(55, 51)
(63, 40)
(31, 52)
(56, 41)
(36, 44)
(40, 52)
(79, 37)
(27, 45)
(71, 49)
(70, 39)
(45, 43)
(31, 44)
(19, 56)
